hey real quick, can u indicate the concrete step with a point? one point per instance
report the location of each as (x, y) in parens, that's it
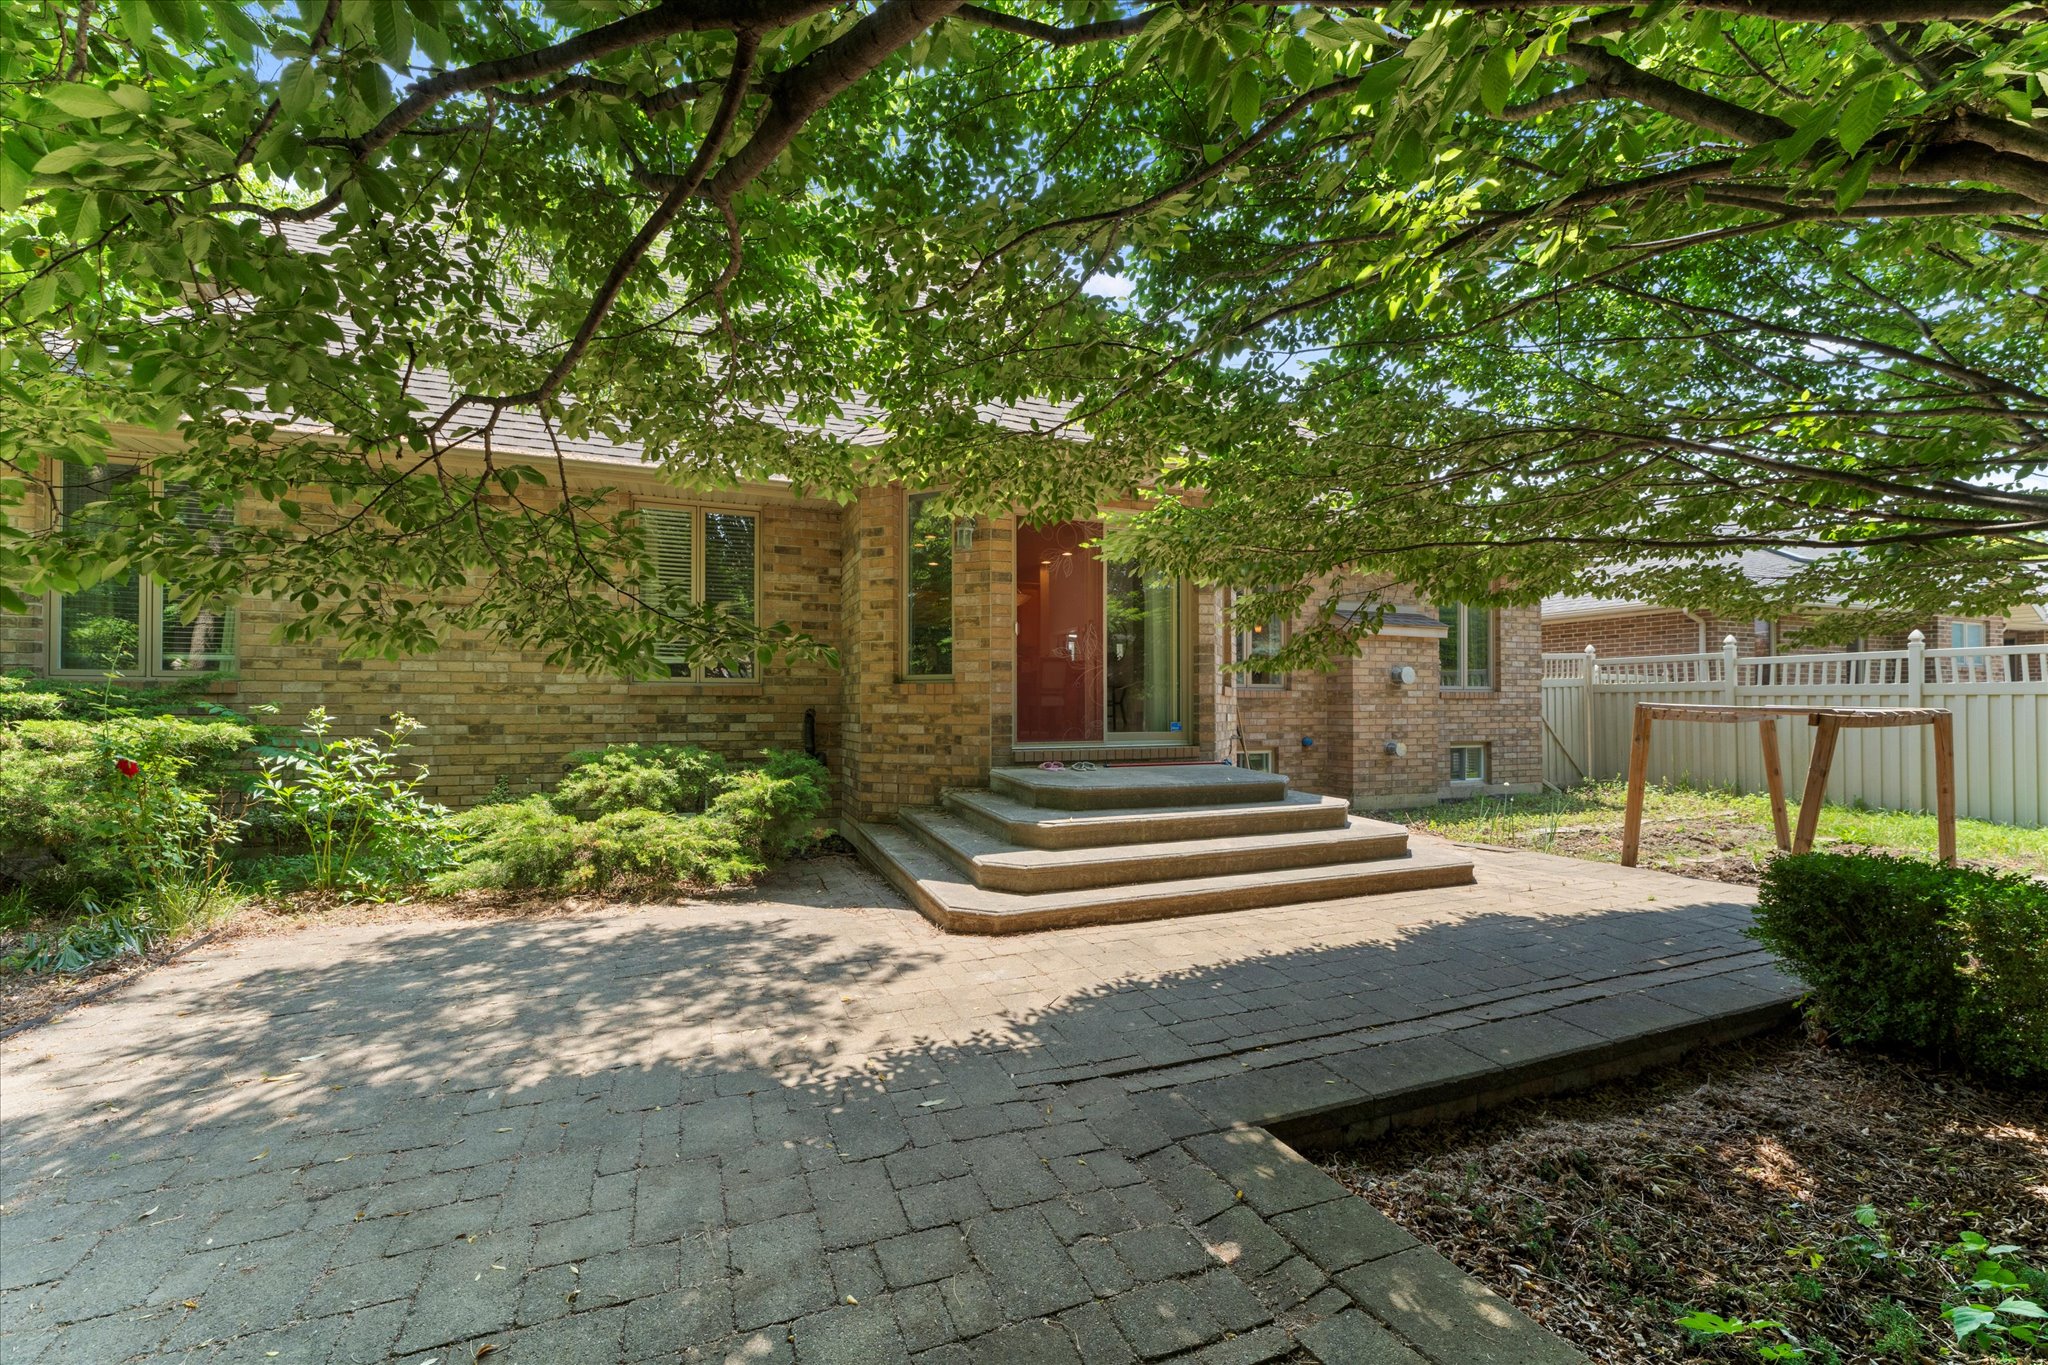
(996, 864)
(1037, 827)
(1190, 784)
(951, 900)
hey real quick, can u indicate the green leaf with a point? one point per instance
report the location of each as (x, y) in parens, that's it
(1793, 147)
(295, 90)
(1299, 60)
(39, 295)
(84, 101)
(1969, 1318)
(1854, 182)
(64, 159)
(1496, 80)
(1246, 95)
(14, 183)
(1864, 115)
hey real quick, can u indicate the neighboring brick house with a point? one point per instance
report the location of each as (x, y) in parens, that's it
(960, 647)
(2027, 625)
(1621, 627)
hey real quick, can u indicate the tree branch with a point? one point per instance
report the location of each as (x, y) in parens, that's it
(1103, 30)
(1826, 11)
(812, 83)
(666, 19)
(657, 223)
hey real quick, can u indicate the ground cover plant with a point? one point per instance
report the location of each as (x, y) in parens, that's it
(1775, 1200)
(1719, 835)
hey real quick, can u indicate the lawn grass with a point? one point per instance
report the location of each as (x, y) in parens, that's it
(1715, 833)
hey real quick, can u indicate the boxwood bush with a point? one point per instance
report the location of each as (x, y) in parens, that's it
(1909, 954)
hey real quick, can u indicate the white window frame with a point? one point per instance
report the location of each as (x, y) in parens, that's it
(698, 673)
(1461, 631)
(1256, 760)
(149, 614)
(910, 502)
(1485, 765)
(1241, 652)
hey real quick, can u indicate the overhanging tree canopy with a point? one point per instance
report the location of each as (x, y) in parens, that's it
(1484, 295)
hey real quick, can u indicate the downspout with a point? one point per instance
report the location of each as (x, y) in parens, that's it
(1699, 621)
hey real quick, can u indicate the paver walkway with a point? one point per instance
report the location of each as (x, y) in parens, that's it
(805, 1125)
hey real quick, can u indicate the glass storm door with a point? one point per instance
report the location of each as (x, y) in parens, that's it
(1099, 646)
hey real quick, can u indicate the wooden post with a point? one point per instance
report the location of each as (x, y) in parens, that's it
(1638, 773)
(1945, 784)
(1774, 781)
(1825, 730)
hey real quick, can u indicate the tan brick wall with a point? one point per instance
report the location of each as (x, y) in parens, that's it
(909, 739)
(490, 713)
(494, 715)
(1355, 710)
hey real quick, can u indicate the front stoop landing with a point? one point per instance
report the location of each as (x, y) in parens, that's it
(1045, 849)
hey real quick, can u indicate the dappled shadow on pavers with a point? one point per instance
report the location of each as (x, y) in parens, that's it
(790, 1132)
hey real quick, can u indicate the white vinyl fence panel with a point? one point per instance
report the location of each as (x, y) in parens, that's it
(1999, 696)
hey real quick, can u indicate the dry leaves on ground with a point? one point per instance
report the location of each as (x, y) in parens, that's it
(1730, 1184)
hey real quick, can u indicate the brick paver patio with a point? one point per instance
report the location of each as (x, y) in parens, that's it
(805, 1125)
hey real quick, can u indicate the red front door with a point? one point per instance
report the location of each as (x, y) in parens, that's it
(1059, 634)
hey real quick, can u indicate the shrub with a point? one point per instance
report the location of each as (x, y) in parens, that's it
(515, 844)
(757, 816)
(1911, 954)
(21, 700)
(654, 845)
(92, 811)
(772, 809)
(366, 828)
(668, 777)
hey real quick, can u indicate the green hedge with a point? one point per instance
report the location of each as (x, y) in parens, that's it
(1905, 953)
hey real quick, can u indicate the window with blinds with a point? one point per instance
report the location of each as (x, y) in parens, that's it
(134, 625)
(698, 558)
(205, 641)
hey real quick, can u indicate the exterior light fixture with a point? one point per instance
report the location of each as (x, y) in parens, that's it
(1403, 675)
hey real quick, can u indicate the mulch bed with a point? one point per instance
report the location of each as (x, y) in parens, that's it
(1730, 1183)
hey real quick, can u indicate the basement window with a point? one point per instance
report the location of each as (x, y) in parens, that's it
(1468, 763)
(1256, 760)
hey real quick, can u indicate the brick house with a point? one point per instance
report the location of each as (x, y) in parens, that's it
(1623, 628)
(961, 647)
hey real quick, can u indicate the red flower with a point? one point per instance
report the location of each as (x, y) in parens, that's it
(127, 767)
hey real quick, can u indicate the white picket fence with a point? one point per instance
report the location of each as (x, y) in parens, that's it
(1999, 696)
